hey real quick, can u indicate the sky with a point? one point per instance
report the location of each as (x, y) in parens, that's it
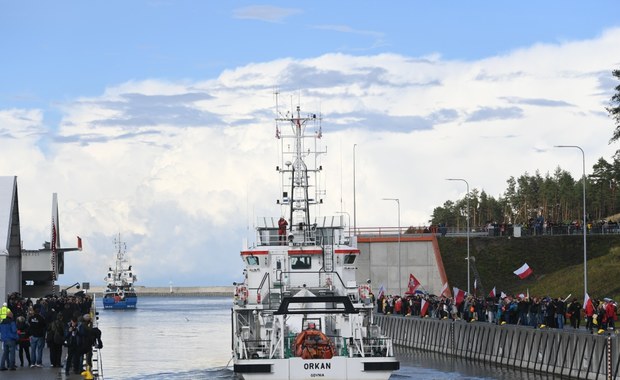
(154, 119)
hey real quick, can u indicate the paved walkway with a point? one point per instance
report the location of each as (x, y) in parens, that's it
(45, 373)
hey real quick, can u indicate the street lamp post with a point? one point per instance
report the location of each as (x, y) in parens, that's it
(400, 293)
(467, 183)
(584, 225)
(354, 208)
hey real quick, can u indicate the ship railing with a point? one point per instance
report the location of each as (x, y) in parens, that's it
(349, 347)
(255, 349)
(324, 230)
(329, 282)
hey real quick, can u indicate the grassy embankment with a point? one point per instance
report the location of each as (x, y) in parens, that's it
(557, 262)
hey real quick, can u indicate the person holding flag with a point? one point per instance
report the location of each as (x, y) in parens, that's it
(588, 306)
(413, 284)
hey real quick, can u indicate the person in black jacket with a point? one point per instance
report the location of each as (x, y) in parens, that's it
(73, 348)
(37, 329)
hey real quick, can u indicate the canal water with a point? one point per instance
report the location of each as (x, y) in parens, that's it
(189, 338)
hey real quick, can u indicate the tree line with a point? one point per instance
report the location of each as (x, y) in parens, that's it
(557, 197)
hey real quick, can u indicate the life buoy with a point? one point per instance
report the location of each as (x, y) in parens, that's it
(242, 291)
(313, 344)
(364, 291)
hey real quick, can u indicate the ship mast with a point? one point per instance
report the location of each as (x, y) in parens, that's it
(297, 176)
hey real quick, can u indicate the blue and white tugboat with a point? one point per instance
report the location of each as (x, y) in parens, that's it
(299, 313)
(119, 292)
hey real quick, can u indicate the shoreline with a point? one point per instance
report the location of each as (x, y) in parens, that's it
(179, 291)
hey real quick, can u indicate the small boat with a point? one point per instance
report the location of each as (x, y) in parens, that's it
(299, 312)
(119, 292)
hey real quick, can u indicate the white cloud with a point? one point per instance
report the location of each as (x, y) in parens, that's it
(182, 169)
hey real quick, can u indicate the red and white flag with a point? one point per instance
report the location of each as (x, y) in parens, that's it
(493, 293)
(524, 271)
(445, 291)
(459, 295)
(413, 284)
(381, 291)
(587, 304)
(424, 307)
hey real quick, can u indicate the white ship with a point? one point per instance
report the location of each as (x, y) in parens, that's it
(299, 313)
(119, 292)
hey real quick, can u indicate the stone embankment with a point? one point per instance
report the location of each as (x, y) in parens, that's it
(179, 291)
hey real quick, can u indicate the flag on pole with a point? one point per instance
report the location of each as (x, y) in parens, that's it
(459, 295)
(493, 293)
(381, 291)
(445, 291)
(524, 271)
(413, 284)
(587, 304)
(503, 295)
(424, 307)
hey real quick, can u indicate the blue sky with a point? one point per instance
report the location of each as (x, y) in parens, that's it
(154, 118)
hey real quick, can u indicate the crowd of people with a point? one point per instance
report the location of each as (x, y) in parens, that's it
(63, 323)
(538, 312)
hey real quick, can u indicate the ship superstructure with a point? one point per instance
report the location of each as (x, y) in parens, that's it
(119, 292)
(299, 312)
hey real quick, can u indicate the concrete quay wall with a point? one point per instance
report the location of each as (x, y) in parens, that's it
(178, 291)
(567, 354)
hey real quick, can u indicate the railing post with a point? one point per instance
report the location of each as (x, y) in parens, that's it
(452, 339)
(609, 360)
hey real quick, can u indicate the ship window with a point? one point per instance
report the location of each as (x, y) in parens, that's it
(349, 259)
(252, 260)
(301, 262)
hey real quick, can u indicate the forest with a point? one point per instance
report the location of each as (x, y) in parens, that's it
(557, 197)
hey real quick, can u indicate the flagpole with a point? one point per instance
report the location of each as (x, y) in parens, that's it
(584, 225)
(400, 293)
(467, 183)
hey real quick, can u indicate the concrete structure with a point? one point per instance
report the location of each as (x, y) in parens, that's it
(561, 353)
(33, 273)
(420, 256)
(10, 238)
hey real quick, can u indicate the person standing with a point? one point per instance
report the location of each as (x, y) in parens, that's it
(56, 337)
(4, 311)
(282, 224)
(574, 310)
(23, 340)
(8, 332)
(73, 355)
(38, 327)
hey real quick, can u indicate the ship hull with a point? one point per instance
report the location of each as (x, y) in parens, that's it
(127, 303)
(336, 368)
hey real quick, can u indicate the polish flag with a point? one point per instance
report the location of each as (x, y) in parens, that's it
(381, 291)
(445, 291)
(413, 284)
(524, 271)
(493, 293)
(587, 305)
(459, 295)
(424, 308)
